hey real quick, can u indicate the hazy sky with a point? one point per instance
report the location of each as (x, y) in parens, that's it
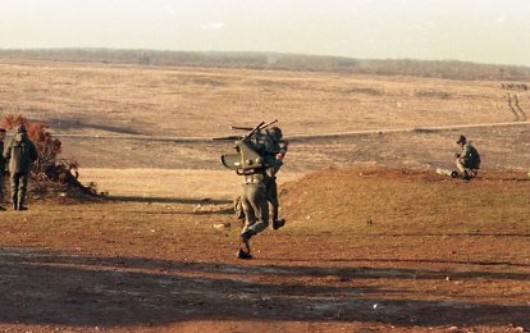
(487, 31)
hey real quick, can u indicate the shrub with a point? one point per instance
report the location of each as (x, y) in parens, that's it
(50, 173)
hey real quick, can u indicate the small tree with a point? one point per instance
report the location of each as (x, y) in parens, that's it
(48, 168)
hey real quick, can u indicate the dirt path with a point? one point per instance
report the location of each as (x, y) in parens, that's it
(305, 137)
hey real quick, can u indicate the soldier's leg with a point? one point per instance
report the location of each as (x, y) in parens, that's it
(238, 211)
(246, 206)
(2, 190)
(261, 209)
(272, 198)
(23, 190)
(250, 218)
(14, 178)
(459, 166)
(466, 173)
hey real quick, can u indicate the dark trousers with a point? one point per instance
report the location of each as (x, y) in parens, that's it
(1, 186)
(19, 187)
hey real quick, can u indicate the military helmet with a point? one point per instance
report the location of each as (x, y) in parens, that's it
(461, 139)
(276, 133)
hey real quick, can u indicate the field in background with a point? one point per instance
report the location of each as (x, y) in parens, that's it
(375, 240)
(133, 116)
(193, 102)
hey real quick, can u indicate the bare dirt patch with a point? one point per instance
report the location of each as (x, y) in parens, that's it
(362, 251)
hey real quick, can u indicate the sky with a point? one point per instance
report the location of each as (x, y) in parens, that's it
(483, 31)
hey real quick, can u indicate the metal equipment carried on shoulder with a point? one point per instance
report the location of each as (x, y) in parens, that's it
(248, 158)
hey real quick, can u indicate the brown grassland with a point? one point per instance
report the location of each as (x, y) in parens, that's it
(375, 240)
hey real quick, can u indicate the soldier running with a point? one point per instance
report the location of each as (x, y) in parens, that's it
(259, 157)
(260, 189)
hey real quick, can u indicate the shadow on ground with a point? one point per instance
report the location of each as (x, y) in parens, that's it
(141, 199)
(51, 288)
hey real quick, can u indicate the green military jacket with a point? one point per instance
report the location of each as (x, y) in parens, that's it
(21, 153)
(273, 165)
(470, 156)
(2, 159)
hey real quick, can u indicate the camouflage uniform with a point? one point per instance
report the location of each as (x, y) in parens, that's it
(468, 161)
(21, 154)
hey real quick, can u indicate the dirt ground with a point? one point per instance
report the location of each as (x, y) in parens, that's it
(364, 250)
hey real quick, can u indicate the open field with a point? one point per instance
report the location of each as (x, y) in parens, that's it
(375, 240)
(142, 103)
(194, 102)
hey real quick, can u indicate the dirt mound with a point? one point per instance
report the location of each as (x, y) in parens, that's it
(371, 195)
(68, 192)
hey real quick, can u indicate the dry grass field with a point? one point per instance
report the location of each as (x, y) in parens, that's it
(375, 241)
(105, 99)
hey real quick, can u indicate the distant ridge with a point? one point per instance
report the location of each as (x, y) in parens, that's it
(278, 61)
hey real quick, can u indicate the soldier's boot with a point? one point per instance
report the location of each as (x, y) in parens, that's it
(467, 175)
(245, 242)
(242, 254)
(21, 204)
(277, 224)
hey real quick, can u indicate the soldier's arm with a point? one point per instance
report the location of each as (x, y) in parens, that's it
(466, 154)
(283, 151)
(279, 164)
(7, 151)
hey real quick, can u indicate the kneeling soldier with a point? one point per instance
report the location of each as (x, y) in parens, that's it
(468, 161)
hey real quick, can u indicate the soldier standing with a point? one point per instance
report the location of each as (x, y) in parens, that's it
(468, 161)
(2, 168)
(21, 154)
